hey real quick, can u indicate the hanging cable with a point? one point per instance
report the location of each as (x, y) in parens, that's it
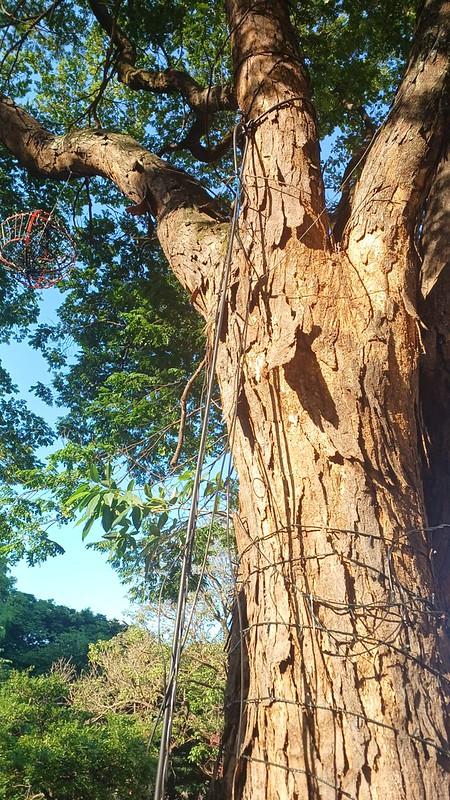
(170, 697)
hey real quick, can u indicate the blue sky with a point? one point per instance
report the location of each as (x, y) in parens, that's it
(80, 578)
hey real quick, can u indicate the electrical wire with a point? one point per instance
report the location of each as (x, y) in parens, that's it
(170, 699)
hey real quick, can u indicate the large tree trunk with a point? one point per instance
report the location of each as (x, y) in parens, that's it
(339, 655)
(344, 654)
(339, 658)
(435, 370)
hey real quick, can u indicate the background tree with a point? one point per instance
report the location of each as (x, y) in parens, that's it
(338, 448)
(65, 736)
(127, 676)
(51, 750)
(37, 633)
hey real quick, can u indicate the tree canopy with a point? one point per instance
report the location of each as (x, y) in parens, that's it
(330, 349)
(72, 737)
(127, 340)
(50, 750)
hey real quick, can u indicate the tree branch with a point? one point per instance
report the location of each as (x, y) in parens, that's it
(273, 92)
(139, 174)
(403, 157)
(190, 227)
(192, 142)
(341, 213)
(200, 99)
(183, 403)
(267, 64)
(17, 46)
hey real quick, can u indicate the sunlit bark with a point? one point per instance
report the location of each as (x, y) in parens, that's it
(339, 656)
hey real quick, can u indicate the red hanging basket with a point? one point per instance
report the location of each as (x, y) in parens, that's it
(37, 248)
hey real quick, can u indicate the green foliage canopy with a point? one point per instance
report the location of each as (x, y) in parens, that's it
(128, 675)
(49, 749)
(127, 340)
(96, 736)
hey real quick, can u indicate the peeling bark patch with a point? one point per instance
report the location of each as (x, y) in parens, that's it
(304, 376)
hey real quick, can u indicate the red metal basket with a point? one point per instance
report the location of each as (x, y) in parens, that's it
(37, 248)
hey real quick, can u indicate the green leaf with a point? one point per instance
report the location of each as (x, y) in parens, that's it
(109, 498)
(94, 505)
(132, 499)
(118, 520)
(154, 530)
(87, 528)
(156, 504)
(93, 473)
(80, 492)
(84, 501)
(210, 488)
(162, 519)
(136, 516)
(107, 518)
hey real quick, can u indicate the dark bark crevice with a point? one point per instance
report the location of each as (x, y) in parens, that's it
(435, 371)
(304, 376)
(433, 239)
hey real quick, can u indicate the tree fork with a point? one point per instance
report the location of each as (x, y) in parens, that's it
(340, 658)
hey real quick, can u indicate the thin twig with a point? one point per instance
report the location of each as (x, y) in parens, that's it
(183, 403)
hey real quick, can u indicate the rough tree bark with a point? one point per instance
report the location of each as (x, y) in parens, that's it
(339, 655)
(342, 662)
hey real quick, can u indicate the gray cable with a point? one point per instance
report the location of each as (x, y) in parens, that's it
(170, 698)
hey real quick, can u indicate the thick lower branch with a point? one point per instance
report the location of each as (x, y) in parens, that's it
(403, 157)
(186, 214)
(138, 173)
